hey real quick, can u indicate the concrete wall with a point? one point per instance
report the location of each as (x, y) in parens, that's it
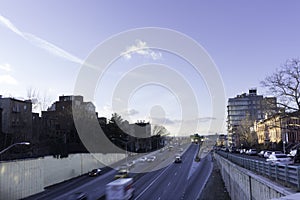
(22, 178)
(58, 170)
(243, 184)
(19, 179)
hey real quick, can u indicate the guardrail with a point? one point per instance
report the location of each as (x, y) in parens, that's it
(287, 174)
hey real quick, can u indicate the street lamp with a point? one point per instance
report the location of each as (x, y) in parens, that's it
(19, 143)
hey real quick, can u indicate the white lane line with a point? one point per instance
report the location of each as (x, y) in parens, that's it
(175, 173)
(206, 179)
(158, 198)
(169, 183)
(152, 182)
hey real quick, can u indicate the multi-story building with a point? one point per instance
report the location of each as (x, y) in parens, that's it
(269, 130)
(283, 127)
(252, 106)
(58, 123)
(16, 120)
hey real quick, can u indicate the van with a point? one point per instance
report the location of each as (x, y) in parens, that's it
(120, 189)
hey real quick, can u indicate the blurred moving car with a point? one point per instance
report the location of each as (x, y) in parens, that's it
(279, 158)
(122, 173)
(78, 196)
(95, 172)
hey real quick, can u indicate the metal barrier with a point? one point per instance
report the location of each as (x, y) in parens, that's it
(287, 174)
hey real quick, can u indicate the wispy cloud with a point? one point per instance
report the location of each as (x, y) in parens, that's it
(8, 79)
(51, 48)
(6, 67)
(132, 112)
(163, 121)
(206, 119)
(141, 48)
(168, 121)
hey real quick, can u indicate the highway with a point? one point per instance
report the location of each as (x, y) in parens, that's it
(175, 181)
(159, 179)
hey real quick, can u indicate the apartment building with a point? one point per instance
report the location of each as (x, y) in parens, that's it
(253, 106)
(16, 120)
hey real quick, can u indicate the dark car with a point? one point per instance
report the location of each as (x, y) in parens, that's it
(95, 172)
(178, 159)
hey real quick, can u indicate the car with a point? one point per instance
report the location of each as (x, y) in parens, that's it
(95, 172)
(122, 173)
(267, 154)
(251, 152)
(78, 196)
(276, 152)
(151, 158)
(242, 151)
(130, 164)
(261, 153)
(178, 159)
(232, 149)
(279, 158)
(143, 159)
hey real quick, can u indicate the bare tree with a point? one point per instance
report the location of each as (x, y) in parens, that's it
(38, 103)
(33, 95)
(285, 84)
(159, 130)
(245, 132)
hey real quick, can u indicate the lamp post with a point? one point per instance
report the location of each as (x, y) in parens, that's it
(9, 147)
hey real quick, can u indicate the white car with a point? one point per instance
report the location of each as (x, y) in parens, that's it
(279, 158)
(130, 164)
(151, 158)
(267, 154)
(143, 159)
(251, 152)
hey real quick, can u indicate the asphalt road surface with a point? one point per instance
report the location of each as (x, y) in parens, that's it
(160, 179)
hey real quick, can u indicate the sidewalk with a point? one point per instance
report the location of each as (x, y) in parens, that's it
(214, 188)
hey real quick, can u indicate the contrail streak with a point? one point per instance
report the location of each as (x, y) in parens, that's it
(43, 44)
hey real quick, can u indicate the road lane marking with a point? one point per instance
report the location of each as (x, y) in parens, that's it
(175, 173)
(152, 182)
(169, 183)
(206, 179)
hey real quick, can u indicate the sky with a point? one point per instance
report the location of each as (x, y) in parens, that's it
(44, 45)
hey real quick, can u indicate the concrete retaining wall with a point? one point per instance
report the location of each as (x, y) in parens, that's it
(242, 184)
(19, 179)
(22, 178)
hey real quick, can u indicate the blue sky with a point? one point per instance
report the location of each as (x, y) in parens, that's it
(43, 43)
